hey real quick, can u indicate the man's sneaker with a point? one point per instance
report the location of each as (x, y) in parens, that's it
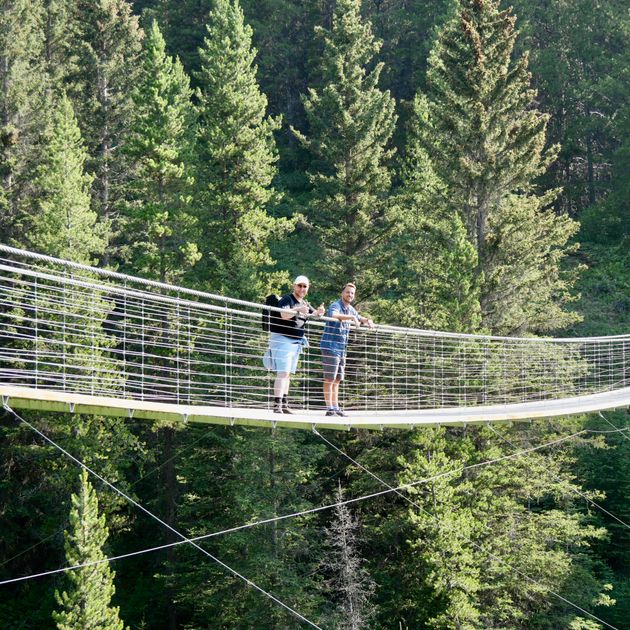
(331, 412)
(285, 405)
(341, 412)
(277, 407)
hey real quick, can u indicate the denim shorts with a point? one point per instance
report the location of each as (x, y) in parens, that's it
(282, 354)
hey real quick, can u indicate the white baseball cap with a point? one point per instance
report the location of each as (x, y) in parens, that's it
(302, 280)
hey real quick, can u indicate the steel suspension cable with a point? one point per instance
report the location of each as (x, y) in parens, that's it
(183, 538)
(472, 542)
(133, 485)
(307, 511)
(557, 478)
(622, 431)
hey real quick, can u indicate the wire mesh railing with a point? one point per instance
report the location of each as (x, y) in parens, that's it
(78, 329)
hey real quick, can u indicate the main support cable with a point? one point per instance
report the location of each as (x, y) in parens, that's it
(622, 430)
(472, 542)
(556, 477)
(184, 539)
(303, 512)
(133, 485)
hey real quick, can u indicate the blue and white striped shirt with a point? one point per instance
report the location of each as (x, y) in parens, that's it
(335, 337)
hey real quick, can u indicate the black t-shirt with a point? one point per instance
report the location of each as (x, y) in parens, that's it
(293, 327)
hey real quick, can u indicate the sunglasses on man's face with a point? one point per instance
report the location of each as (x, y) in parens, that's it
(302, 286)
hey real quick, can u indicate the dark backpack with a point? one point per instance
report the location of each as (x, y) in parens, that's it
(270, 319)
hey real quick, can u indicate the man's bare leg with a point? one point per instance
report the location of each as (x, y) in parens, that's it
(281, 384)
(280, 391)
(328, 392)
(334, 399)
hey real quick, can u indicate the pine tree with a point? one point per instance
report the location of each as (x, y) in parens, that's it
(160, 147)
(445, 574)
(158, 215)
(184, 26)
(608, 221)
(351, 122)
(85, 605)
(407, 28)
(108, 43)
(283, 32)
(64, 225)
(461, 551)
(437, 285)
(579, 58)
(257, 474)
(22, 115)
(60, 34)
(487, 143)
(349, 582)
(236, 161)
(605, 470)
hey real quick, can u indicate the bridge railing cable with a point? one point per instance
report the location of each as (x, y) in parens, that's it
(79, 329)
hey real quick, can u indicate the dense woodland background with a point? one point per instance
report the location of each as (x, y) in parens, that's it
(466, 164)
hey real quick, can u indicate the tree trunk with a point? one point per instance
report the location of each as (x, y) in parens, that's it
(590, 170)
(170, 499)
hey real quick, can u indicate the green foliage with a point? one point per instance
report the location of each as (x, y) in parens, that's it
(351, 122)
(487, 143)
(59, 30)
(64, 225)
(236, 161)
(407, 28)
(160, 147)
(606, 470)
(283, 36)
(437, 285)
(579, 58)
(259, 474)
(604, 291)
(184, 25)
(107, 47)
(21, 113)
(35, 485)
(473, 536)
(608, 220)
(85, 605)
(445, 561)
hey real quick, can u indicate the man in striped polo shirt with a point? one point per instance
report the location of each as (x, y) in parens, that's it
(334, 344)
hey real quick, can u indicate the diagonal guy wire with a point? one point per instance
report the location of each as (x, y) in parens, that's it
(472, 542)
(159, 520)
(320, 508)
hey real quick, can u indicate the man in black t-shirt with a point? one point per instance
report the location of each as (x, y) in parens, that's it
(287, 340)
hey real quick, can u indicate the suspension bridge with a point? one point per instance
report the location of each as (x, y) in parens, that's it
(80, 339)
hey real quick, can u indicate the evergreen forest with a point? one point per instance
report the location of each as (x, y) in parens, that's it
(461, 161)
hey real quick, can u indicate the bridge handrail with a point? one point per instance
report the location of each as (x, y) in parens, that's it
(254, 305)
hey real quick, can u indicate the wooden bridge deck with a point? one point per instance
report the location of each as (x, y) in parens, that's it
(64, 401)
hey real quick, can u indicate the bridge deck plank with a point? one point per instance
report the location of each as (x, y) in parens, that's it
(64, 401)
